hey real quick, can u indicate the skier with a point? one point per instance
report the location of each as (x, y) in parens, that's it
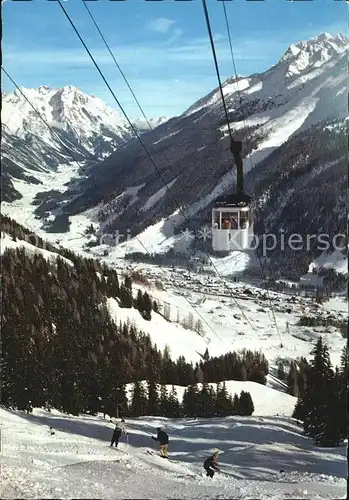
(162, 437)
(120, 428)
(210, 464)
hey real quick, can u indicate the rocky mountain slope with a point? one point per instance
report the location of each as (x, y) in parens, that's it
(78, 126)
(292, 121)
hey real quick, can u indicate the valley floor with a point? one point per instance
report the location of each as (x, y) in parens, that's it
(77, 462)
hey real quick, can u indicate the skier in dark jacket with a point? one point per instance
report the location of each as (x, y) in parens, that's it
(120, 428)
(210, 464)
(162, 437)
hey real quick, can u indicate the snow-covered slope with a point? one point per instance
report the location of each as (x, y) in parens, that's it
(7, 242)
(32, 140)
(233, 317)
(292, 119)
(306, 88)
(337, 261)
(85, 118)
(142, 125)
(45, 127)
(209, 312)
(284, 82)
(266, 458)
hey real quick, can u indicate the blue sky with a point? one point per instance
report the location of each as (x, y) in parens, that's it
(162, 47)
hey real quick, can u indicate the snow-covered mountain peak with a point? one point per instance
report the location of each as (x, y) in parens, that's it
(87, 119)
(315, 51)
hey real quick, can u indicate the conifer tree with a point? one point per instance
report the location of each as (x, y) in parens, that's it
(207, 401)
(328, 431)
(318, 386)
(163, 403)
(292, 380)
(147, 307)
(139, 401)
(153, 398)
(281, 371)
(223, 406)
(139, 304)
(343, 390)
(174, 408)
(246, 405)
(236, 405)
(206, 355)
(190, 403)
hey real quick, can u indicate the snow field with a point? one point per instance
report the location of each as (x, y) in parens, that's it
(77, 461)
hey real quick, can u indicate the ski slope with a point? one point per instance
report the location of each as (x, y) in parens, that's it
(77, 462)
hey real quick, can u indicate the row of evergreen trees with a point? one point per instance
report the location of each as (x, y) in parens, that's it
(61, 348)
(152, 399)
(322, 404)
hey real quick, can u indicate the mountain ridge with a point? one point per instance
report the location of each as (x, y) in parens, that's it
(191, 151)
(78, 127)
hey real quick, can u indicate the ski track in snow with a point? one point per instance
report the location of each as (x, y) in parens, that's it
(77, 461)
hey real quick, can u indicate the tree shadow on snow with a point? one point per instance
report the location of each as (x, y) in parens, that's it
(250, 448)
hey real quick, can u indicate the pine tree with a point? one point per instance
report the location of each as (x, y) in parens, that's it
(319, 407)
(139, 303)
(147, 307)
(328, 429)
(153, 398)
(206, 356)
(236, 405)
(243, 373)
(190, 403)
(292, 380)
(207, 401)
(126, 299)
(223, 403)
(163, 403)
(318, 387)
(246, 405)
(139, 401)
(343, 388)
(174, 408)
(281, 371)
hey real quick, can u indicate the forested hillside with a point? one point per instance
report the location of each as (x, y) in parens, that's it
(61, 348)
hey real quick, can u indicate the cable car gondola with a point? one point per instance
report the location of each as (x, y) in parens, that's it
(232, 215)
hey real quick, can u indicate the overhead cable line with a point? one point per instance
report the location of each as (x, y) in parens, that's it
(191, 305)
(208, 24)
(224, 103)
(71, 154)
(127, 83)
(252, 168)
(53, 132)
(50, 128)
(83, 168)
(230, 46)
(139, 138)
(116, 63)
